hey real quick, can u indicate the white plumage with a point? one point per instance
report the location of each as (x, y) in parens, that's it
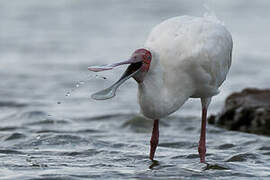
(184, 57)
(191, 58)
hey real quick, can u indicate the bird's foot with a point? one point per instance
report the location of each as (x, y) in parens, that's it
(154, 164)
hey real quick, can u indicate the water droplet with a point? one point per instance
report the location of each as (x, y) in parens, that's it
(81, 82)
(68, 94)
(77, 85)
(100, 77)
(38, 137)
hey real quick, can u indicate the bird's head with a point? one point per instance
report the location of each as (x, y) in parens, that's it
(144, 57)
(139, 62)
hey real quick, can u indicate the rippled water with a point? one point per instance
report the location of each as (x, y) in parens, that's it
(51, 129)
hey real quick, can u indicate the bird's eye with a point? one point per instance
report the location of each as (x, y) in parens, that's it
(149, 58)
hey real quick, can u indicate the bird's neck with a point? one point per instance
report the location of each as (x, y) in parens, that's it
(158, 96)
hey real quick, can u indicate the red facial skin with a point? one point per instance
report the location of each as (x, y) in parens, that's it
(146, 57)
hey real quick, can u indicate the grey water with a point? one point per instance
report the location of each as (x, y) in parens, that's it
(50, 127)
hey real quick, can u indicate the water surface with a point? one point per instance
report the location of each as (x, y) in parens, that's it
(51, 129)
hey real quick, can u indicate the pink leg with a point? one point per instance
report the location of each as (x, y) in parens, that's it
(154, 139)
(202, 148)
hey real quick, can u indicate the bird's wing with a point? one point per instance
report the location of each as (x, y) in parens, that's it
(199, 47)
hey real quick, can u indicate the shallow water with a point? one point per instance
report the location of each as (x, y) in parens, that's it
(51, 129)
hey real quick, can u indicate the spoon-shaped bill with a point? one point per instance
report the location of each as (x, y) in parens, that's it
(110, 91)
(101, 68)
(111, 66)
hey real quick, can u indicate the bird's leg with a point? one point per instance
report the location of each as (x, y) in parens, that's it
(154, 139)
(202, 148)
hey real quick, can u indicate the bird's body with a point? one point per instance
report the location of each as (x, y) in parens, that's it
(191, 58)
(184, 57)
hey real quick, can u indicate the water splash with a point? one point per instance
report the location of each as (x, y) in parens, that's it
(100, 77)
(80, 83)
(68, 94)
(38, 137)
(211, 15)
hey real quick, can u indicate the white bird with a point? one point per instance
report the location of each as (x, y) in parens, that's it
(184, 57)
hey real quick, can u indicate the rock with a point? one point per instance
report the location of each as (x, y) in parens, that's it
(247, 111)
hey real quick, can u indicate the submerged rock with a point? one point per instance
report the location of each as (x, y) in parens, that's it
(247, 111)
